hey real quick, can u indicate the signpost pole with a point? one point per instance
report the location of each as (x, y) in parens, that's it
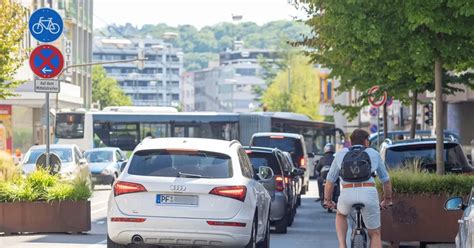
(47, 130)
(378, 127)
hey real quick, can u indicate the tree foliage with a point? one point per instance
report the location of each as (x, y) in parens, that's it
(12, 30)
(391, 43)
(214, 39)
(106, 91)
(303, 96)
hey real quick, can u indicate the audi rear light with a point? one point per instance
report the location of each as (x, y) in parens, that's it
(302, 162)
(234, 192)
(121, 188)
(248, 151)
(287, 180)
(279, 184)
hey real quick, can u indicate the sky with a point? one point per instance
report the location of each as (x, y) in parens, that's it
(198, 13)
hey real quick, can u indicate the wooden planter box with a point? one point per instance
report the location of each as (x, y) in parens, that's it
(59, 216)
(422, 218)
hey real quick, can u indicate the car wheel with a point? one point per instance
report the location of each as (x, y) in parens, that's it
(298, 201)
(266, 241)
(292, 217)
(112, 244)
(253, 237)
(281, 226)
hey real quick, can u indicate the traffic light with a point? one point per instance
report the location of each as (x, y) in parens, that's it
(428, 112)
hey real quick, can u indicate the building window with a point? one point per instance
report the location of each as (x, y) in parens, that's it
(246, 71)
(175, 97)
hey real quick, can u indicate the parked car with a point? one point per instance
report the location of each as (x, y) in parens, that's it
(105, 164)
(296, 176)
(422, 153)
(393, 135)
(73, 164)
(189, 191)
(292, 143)
(465, 236)
(281, 188)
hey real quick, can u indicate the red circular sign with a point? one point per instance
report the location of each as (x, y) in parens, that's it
(377, 102)
(46, 61)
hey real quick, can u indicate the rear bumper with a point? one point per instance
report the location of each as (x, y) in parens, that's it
(279, 207)
(180, 231)
(102, 179)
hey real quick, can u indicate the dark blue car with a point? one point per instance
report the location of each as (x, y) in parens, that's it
(104, 164)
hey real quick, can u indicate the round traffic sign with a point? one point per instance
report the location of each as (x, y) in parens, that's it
(46, 25)
(374, 111)
(46, 61)
(373, 128)
(377, 102)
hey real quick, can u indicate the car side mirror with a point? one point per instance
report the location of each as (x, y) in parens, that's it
(454, 204)
(265, 173)
(122, 166)
(297, 172)
(311, 155)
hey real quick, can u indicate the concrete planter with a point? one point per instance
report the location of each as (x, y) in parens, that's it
(419, 217)
(59, 216)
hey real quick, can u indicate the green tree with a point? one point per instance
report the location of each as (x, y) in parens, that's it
(12, 30)
(395, 44)
(106, 91)
(302, 80)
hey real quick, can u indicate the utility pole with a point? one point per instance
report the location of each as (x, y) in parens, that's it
(289, 89)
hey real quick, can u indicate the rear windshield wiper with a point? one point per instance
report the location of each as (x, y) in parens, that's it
(186, 175)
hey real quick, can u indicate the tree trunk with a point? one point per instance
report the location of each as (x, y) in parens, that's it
(414, 105)
(439, 116)
(385, 121)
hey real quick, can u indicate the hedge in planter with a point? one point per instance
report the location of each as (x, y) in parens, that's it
(44, 203)
(418, 213)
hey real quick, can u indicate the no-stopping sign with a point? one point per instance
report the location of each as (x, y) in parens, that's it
(377, 102)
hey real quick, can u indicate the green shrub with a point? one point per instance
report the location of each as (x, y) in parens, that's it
(41, 186)
(420, 182)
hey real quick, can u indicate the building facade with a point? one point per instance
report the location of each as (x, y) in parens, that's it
(230, 87)
(158, 83)
(187, 92)
(28, 112)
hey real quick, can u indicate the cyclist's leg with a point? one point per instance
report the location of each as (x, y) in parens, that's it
(341, 229)
(375, 238)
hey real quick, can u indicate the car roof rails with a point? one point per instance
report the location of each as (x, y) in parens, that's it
(388, 141)
(233, 142)
(451, 138)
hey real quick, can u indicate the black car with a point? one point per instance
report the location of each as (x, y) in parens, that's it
(422, 154)
(281, 189)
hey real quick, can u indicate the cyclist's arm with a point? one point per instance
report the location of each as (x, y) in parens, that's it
(331, 178)
(382, 173)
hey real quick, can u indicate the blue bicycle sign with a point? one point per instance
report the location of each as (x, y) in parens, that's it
(46, 25)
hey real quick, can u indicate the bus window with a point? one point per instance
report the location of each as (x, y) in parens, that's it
(155, 130)
(69, 126)
(319, 142)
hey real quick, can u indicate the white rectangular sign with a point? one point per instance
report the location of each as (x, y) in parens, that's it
(47, 86)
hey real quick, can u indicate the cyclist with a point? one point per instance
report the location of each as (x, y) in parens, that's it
(326, 160)
(356, 168)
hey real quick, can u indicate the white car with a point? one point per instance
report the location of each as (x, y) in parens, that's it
(465, 236)
(189, 192)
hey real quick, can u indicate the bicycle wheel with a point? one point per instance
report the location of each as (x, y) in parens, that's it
(37, 28)
(359, 239)
(54, 28)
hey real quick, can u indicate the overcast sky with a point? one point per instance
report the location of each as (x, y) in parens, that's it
(196, 12)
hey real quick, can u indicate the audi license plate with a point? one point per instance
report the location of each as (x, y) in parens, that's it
(191, 200)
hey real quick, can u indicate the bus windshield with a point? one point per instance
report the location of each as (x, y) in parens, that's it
(70, 125)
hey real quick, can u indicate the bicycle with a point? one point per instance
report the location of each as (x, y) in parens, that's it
(359, 232)
(50, 26)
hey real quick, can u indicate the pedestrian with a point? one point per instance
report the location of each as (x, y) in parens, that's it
(326, 160)
(356, 167)
(400, 137)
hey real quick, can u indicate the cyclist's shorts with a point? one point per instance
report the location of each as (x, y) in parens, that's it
(366, 195)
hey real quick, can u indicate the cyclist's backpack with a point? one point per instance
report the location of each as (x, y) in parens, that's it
(356, 166)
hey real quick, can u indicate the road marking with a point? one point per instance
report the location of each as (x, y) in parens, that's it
(98, 244)
(99, 203)
(98, 210)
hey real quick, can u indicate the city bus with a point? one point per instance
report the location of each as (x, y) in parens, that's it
(125, 127)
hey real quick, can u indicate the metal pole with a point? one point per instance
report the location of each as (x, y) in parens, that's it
(47, 130)
(378, 127)
(289, 88)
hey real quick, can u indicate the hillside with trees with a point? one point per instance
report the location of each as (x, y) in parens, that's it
(203, 45)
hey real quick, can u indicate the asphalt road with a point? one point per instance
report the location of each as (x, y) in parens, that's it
(313, 227)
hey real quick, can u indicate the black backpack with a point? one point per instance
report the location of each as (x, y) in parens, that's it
(356, 166)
